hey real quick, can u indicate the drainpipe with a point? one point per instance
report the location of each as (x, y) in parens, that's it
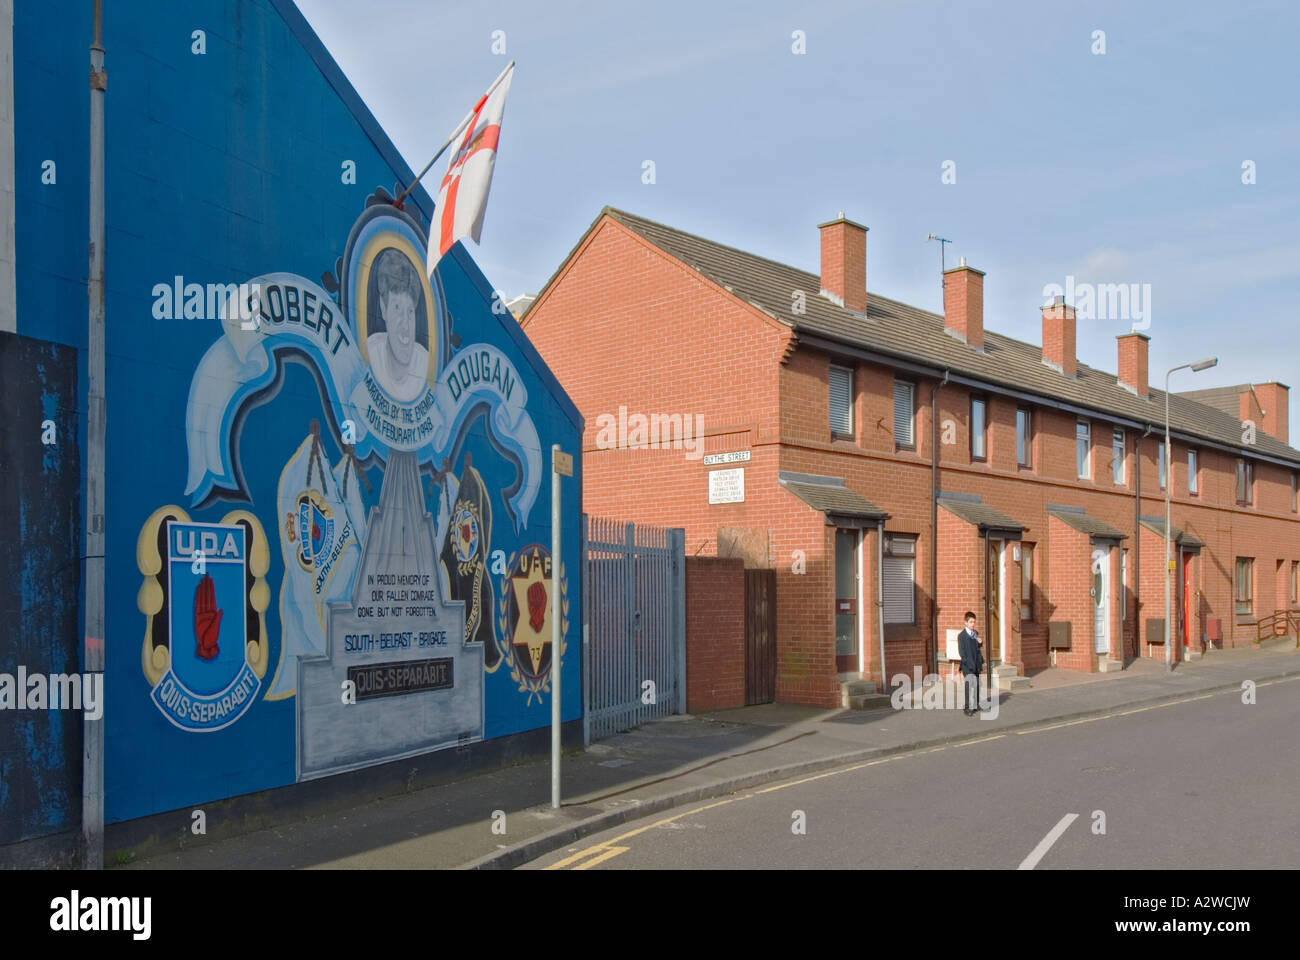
(92, 759)
(934, 523)
(880, 600)
(1137, 545)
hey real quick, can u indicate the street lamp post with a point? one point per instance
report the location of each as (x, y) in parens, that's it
(1196, 367)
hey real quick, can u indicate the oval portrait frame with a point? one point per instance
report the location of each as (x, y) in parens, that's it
(372, 236)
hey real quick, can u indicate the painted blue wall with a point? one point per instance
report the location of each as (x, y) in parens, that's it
(221, 167)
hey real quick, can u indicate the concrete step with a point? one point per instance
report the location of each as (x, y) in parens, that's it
(1107, 665)
(869, 701)
(856, 688)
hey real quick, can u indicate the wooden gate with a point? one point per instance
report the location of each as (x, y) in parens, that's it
(760, 636)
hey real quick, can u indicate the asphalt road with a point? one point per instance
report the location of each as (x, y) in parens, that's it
(1206, 782)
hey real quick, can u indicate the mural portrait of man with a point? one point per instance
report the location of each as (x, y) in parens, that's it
(399, 360)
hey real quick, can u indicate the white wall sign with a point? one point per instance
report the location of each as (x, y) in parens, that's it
(737, 456)
(727, 486)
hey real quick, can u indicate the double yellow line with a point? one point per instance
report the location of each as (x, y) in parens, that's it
(608, 849)
(597, 853)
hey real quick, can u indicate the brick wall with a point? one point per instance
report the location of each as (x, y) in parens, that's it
(624, 324)
(715, 633)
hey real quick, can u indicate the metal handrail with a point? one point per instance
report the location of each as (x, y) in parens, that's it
(1279, 623)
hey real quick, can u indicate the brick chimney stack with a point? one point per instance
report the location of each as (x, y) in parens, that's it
(963, 303)
(1058, 337)
(1274, 400)
(1133, 363)
(844, 262)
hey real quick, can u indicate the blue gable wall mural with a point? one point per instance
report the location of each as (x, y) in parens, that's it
(328, 476)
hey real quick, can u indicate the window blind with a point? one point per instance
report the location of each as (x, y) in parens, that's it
(903, 406)
(841, 383)
(900, 592)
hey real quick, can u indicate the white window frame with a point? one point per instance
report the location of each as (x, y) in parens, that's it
(1083, 456)
(1119, 469)
(982, 435)
(1193, 472)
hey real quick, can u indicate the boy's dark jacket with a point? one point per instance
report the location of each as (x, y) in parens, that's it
(972, 658)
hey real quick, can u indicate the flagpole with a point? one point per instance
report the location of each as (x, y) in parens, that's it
(456, 133)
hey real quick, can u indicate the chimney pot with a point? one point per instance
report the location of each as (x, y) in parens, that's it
(963, 303)
(1059, 336)
(844, 263)
(1274, 402)
(1133, 351)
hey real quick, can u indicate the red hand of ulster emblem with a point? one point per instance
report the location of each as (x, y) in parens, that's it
(466, 532)
(207, 618)
(537, 605)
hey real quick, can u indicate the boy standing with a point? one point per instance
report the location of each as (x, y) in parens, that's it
(972, 661)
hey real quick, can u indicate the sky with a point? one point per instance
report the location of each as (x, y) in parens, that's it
(1044, 149)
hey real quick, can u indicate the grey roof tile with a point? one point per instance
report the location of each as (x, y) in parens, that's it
(984, 517)
(898, 330)
(1085, 524)
(830, 496)
(1181, 537)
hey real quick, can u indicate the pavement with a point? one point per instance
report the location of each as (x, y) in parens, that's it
(503, 818)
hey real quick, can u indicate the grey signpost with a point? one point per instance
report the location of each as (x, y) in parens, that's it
(561, 466)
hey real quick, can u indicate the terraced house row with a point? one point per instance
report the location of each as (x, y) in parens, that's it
(895, 467)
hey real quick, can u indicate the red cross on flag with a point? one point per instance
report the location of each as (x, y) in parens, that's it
(462, 197)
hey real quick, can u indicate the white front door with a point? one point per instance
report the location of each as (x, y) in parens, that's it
(1100, 598)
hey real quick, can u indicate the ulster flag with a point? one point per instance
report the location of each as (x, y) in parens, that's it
(462, 197)
(465, 548)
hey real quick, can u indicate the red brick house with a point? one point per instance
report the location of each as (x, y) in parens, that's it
(807, 412)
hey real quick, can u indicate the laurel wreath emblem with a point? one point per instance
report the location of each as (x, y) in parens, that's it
(528, 685)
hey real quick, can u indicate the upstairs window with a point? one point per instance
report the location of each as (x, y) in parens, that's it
(1160, 465)
(1117, 455)
(1193, 480)
(978, 418)
(1024, 436)
(841, 384)
(904, 413)
(1245, 482)
(1083, 449)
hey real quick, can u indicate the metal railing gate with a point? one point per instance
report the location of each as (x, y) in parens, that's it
(633, 625)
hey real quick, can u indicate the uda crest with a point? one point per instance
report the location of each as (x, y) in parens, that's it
(525, 618)
(204, 600)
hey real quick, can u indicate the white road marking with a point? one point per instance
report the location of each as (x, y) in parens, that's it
(1045, 844)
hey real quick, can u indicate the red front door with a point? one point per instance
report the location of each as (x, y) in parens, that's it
(1188, 595)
